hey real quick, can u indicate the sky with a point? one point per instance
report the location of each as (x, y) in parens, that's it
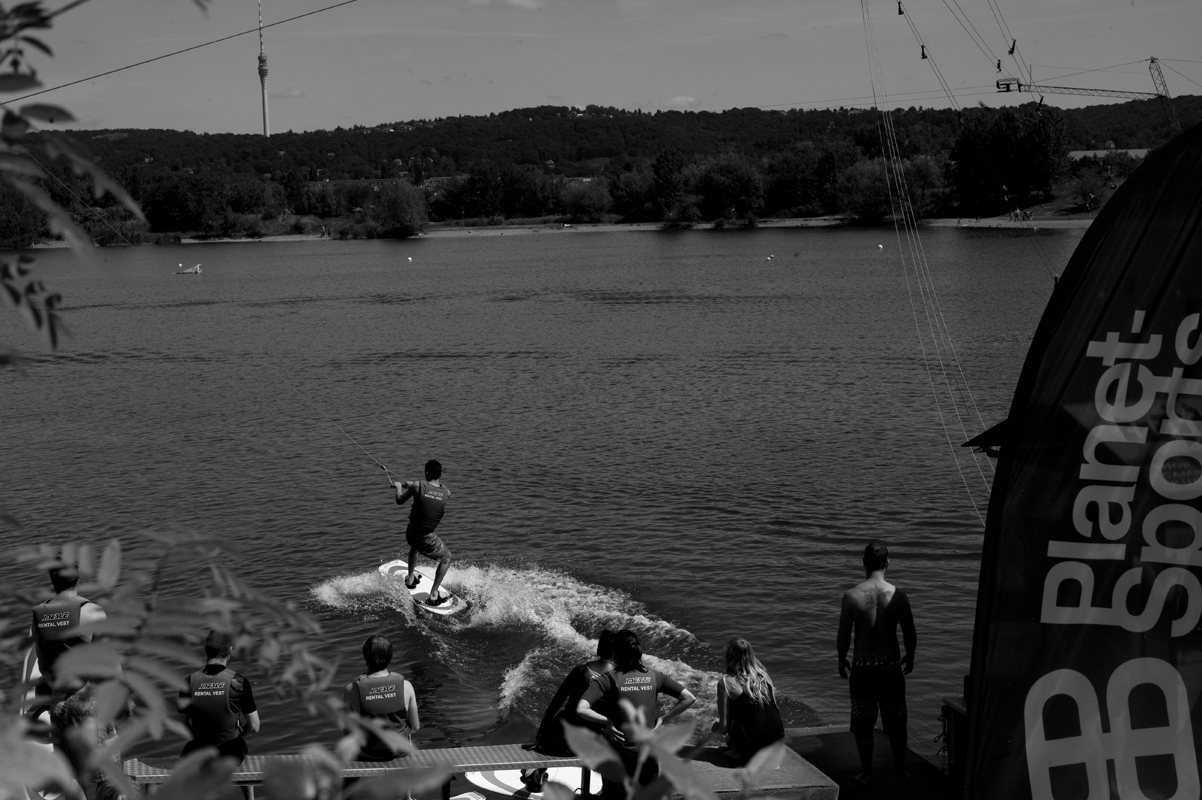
(379, 61)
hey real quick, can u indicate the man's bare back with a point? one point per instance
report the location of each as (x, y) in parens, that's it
(876, 608)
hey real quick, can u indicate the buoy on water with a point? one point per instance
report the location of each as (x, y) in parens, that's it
(880, 247)
(410, 259)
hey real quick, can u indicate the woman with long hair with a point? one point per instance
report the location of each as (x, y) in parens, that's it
(747, 710)
(633, 681)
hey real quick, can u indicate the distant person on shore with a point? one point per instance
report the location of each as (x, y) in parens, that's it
(379, 693)
(218, 705)
(429, 503)
(550, 739)
(636, 683)
(874, 609)
(56, 627)
(747, 710)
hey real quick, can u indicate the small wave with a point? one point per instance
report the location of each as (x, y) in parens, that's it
(368, 593)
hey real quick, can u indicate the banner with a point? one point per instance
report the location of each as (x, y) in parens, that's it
(1087, 653)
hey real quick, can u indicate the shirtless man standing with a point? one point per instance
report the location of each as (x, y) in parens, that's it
(874, 609)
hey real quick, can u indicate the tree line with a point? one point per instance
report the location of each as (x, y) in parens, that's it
(596, 164)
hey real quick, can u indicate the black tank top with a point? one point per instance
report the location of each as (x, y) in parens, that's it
(55, 631)
(213, 718)
(429, 503)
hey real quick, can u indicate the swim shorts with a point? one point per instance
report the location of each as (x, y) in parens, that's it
(428, 544)
(873, 684)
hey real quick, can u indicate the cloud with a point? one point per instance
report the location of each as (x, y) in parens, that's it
(682, 101)
(289, 93)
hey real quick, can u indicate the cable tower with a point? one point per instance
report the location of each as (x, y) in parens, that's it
(1161, 93)
(263, 72)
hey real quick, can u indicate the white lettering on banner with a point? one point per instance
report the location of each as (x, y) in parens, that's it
(1085, 613)
(1188, 355)
(1093, 747)
(1105, 498)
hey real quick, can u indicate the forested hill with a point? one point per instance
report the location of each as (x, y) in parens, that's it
(580, 142)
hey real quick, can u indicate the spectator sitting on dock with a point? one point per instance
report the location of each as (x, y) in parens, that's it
(563, 705)
(874, 609)
(747, 710)
(632, 681)
(385, 695)
(217, 704)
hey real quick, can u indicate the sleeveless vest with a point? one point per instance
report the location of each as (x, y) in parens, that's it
(213, 718)
(55, 631)
(428, 506)
(381, 697)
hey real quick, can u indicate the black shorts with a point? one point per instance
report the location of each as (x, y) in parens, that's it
(428, 544)
(876, 684)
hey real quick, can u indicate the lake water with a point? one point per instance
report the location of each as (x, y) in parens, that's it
(662, 431)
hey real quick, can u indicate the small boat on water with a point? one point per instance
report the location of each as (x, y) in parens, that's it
(189, 271)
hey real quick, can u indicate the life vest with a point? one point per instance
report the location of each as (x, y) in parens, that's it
(55, 631)
(213, 718)
(429, 503)
(381, 697)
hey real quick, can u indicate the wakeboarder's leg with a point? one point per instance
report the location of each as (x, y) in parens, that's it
(410, 582)
(440, 573)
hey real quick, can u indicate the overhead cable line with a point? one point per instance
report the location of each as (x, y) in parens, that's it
(1191, 80)
(941, 348)
(180, 52)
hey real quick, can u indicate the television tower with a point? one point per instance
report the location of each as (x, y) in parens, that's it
(263, 72)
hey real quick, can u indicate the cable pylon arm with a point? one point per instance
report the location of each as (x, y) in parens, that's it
(1015, 85)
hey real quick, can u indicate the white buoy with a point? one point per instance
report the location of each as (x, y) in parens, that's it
(880, 247)
(410, 259)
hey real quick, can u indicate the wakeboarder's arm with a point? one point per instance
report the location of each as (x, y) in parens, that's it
(843, 640)
(909, 635)
(252, 723)
(405, 490)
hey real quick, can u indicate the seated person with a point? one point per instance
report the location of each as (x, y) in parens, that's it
(747, 710)
(563, 705)
(630, 680)
(382, 694)
(217, 705)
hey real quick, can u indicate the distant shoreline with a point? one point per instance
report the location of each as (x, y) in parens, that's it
(446, 232)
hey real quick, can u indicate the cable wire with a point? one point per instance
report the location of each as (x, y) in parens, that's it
(179, 52)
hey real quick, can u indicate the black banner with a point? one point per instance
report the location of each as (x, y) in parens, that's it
(1087, 653)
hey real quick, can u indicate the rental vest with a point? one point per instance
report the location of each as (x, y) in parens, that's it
(213, 717)
(381, 697)
(429, 503)
(55, 631)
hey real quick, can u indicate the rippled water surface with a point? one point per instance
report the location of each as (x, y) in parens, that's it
(663, 431)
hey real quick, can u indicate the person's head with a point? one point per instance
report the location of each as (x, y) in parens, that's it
(63, 577)
(628, 653)
(740, 657)
(218, 646)
(746, 669)
(876, 556)
(377, 652)
(433, 470)
(605, 645)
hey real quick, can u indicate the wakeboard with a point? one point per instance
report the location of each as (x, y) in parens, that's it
(421, 592)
